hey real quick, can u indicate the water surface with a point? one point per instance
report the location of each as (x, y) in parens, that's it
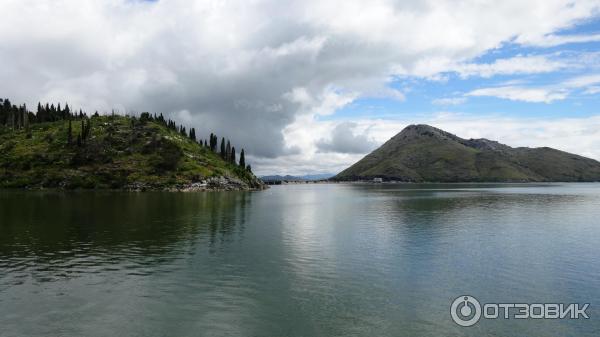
(296, 260)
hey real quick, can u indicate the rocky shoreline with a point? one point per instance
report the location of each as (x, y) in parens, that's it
(210, 184)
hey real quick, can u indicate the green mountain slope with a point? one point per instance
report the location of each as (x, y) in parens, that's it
(422, 153)
(120, 152)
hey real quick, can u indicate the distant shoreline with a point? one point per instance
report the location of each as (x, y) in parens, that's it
(365, 182)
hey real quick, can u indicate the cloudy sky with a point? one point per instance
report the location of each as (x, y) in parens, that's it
(311, 86)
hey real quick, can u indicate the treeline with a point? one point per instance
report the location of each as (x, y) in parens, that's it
(18, 117)
(15, 117)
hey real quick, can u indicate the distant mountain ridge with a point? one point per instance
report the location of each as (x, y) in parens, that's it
(422, 153)
(307, 177)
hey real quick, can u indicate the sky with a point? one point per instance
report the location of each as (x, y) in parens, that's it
(312, 86)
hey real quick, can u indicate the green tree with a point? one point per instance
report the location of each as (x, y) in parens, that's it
(67, 111)
(223, 153)
(40, 113)
(242, 159)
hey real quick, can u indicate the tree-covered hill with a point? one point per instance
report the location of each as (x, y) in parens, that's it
(58, 148)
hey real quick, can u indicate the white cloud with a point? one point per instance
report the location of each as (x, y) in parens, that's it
(542, 94)
(449, 101)
(255, 71)
(514, 93)
(553, 40)
(582, 81)
(511, 66)
(437, 68)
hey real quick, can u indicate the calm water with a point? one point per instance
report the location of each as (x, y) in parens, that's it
(300, 260)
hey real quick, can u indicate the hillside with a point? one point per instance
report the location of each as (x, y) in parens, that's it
(118, 152)
(422, 153)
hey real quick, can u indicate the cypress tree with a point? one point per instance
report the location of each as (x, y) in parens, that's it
(40, 114)
(242, 159)
(213, 142)
(223, 148)
(232, 159)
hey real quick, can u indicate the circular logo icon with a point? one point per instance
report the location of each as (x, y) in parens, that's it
(465, 310)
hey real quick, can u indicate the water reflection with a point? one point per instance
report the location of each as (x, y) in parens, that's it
(52, 235)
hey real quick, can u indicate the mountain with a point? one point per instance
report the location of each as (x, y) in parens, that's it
(307, 177)
(422, 153)
(113, 152)
(319, 176)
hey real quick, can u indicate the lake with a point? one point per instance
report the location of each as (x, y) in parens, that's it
(297, 260)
